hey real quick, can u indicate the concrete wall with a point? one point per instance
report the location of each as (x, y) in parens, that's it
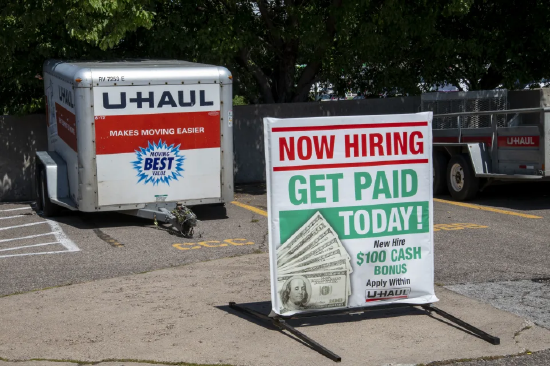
(248, 135)
(20, 138)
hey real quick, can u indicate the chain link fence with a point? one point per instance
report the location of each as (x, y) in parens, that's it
(458, 102)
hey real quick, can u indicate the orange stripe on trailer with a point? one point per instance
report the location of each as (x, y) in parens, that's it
(127, 133)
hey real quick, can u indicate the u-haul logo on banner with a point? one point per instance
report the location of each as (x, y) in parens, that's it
(375, 294)
(126, 100)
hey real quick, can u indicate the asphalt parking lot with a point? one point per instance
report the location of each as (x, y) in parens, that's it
(494, 249)
(108, 245)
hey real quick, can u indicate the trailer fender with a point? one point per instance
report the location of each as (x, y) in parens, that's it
(480, 154)
(57, 178)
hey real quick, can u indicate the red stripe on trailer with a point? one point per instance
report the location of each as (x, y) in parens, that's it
(448, 139)
(66, 126)
(519, 141)
(469, 139)
(488, 140)
(125, 134)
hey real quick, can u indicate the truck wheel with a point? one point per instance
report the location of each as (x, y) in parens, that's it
(461, 179)
(440, 161)
(48, 208)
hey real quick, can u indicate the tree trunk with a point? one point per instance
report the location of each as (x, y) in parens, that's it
(285, 73)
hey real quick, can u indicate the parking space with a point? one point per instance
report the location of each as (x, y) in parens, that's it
(24, 233)
(107, 245)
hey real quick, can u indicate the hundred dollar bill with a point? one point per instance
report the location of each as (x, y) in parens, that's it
(300, 233)
(312, 291)
(304, 239)
(324, 247)
(307, 245)
(331, 265)
(330, 256)
(327, 248)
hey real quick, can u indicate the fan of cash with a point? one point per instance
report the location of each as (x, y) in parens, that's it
(313, 269)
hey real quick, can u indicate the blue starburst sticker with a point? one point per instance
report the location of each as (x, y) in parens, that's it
(158, 163)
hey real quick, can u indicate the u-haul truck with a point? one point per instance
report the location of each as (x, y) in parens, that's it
(136, 136)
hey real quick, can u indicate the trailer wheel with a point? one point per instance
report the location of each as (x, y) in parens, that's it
(461, 179)
(48, 207)
(440, 161)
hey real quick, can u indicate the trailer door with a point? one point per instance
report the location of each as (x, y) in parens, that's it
(157, 142)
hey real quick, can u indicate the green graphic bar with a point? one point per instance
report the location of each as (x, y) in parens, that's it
(356, 222)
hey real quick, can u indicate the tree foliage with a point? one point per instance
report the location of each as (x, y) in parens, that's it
(277, 49)
(32, 31)
(497, 43)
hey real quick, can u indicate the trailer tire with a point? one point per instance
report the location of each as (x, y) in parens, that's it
(48, 208)
(440, 161)
(461, 179)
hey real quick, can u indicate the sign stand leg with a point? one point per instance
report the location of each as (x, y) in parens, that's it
(485, 336)
(281, 324)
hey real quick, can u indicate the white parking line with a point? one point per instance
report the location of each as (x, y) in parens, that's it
(16, 226)
(62, 237)
(16, 209)
(25, 237)
(21, 255)
(57, 232)
(30, 246)
(12, 217)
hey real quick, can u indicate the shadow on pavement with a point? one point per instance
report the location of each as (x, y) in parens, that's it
(253, 189)
(100, 220)
(529, 196)
(264, 307)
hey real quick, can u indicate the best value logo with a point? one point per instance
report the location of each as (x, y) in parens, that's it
(159, 163)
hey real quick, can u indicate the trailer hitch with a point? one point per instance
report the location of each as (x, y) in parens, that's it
(181, 218)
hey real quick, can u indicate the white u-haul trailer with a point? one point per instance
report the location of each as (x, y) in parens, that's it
(482, 137)
(136, 137)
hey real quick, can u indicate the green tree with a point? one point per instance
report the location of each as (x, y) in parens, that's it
(264, 41)
(496, 43)
(381, 46)
(32, 31)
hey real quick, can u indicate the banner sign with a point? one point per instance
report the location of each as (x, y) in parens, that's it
(350, 211)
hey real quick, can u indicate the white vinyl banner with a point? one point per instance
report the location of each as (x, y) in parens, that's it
(350, 211)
